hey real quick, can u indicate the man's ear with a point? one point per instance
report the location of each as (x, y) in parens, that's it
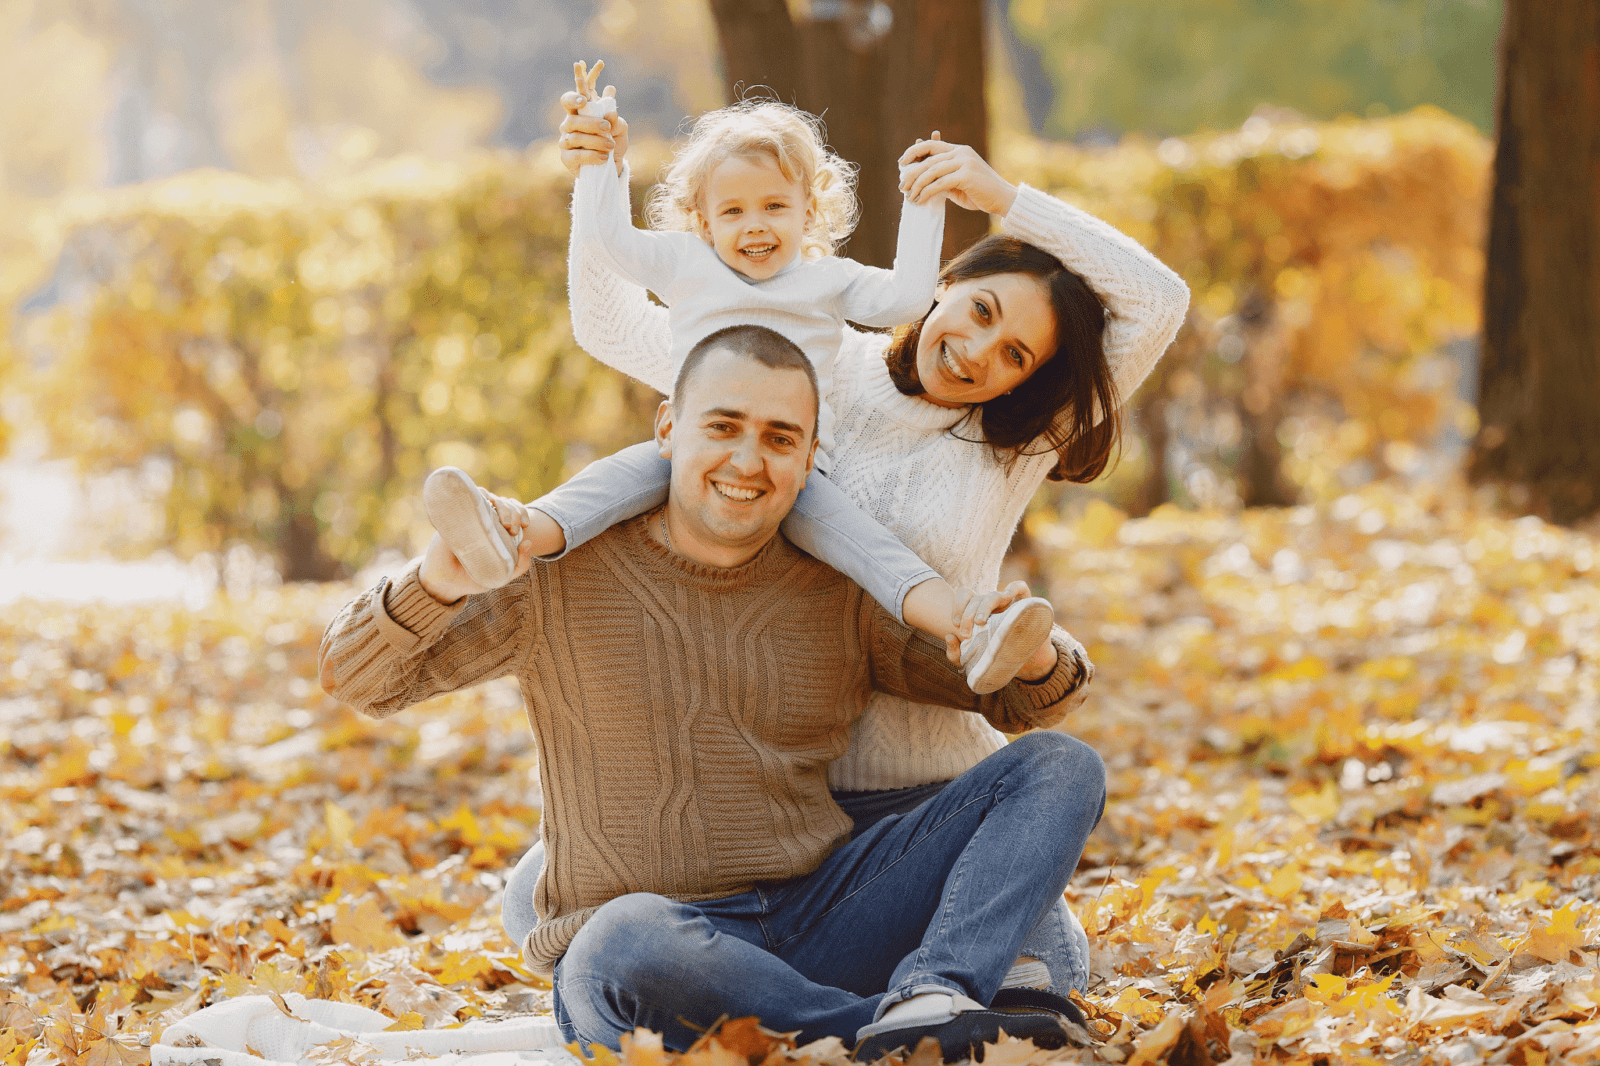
(811, 456)
(664, 429)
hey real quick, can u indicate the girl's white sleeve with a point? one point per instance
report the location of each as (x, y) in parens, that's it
(1145, 298)
(878, 297)
(612, 318)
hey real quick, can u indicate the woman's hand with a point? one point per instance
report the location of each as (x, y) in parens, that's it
(586, 140)
(929, 168)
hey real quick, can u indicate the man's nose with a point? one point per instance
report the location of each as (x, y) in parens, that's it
(746, 458)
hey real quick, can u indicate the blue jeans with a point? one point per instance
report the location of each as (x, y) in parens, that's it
(1058, 941)
(825, 523)
(939, 899)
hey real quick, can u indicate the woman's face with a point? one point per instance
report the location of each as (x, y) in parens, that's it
(984, 337)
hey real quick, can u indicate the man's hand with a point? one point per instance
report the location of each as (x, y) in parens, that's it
(585, 139)
(444, 578)
(976, 612)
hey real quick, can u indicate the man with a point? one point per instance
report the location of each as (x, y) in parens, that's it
(689, 674)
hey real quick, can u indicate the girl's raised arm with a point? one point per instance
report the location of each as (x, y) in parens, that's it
(612, 318)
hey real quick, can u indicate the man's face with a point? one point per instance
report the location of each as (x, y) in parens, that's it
(741, 439)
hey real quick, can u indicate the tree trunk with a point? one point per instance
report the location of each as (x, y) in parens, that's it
(1539, 379)
(876, 90)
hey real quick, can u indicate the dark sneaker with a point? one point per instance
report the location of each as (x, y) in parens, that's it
(1045, 1018)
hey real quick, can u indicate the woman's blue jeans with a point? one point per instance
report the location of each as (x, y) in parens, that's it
(938, 899)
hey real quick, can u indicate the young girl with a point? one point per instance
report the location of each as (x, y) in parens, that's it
(747, 218)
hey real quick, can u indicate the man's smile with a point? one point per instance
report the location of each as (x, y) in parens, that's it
(736, 493)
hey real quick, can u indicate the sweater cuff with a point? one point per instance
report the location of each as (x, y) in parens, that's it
(1035, 217)
(1065, 686)
(408, 616)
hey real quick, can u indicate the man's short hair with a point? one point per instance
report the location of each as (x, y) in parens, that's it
(766, 346)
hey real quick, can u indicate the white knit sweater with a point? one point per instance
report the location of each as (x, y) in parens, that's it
(946, 498)
(807, 301)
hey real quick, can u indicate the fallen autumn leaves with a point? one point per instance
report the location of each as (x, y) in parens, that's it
(1352, 818)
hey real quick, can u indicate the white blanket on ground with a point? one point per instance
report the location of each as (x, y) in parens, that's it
(254, 1031)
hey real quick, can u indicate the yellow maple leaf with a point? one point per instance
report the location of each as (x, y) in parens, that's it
(407, 1022)
(340, 824)
(465, 823)
(364, 926)
(1559, 939)
(1318, 806)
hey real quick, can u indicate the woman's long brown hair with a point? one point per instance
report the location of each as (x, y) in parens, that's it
(1070, 403)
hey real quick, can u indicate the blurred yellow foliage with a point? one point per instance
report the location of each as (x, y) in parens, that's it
(301, 356)
(1328, 263)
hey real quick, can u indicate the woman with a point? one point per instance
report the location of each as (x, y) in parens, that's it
(943, 433)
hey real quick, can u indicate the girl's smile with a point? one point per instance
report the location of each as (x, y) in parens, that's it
(754, 217)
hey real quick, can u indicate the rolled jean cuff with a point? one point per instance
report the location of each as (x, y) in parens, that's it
(900, 995)
(607, 491)
(828, 525)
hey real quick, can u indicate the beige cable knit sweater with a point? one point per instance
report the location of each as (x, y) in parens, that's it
(947, 499)
(684, 715)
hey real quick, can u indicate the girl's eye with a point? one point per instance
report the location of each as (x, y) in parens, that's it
(732, 211)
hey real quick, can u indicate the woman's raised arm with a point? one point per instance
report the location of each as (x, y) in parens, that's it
(1145, 298)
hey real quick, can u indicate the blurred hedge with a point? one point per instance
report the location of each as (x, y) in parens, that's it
(1329, 262)
(299, 358)
(292, 360)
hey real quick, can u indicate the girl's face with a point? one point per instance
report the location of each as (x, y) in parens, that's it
(753, 216)
(984, 337)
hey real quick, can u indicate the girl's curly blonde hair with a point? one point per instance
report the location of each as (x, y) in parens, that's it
(762, 129)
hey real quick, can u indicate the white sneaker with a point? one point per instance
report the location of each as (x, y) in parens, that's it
(994, 652)
(470, 526)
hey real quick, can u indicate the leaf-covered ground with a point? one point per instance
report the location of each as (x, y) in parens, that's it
(1353, 817)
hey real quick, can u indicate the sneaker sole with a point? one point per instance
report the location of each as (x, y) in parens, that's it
(1009, 648)
(469, 526)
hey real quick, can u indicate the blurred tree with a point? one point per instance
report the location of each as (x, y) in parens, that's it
(1539, 385)
(881, 76)
(1165, 67)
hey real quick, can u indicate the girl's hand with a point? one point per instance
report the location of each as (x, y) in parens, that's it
(586, 140)
(933, 167)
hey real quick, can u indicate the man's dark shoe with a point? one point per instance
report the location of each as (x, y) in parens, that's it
(1047, 1019)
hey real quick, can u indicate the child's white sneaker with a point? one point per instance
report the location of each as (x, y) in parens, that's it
(470, 526)
(995, 651)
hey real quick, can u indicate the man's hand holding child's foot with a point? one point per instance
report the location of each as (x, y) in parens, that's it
(484, 541)
(1001, 635)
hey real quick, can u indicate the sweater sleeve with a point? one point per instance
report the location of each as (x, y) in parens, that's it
(878, 297)
(1145, 298)
(395, 645)
(913, 666)
(612, 318)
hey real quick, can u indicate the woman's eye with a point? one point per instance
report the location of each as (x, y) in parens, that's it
(1016, 356)
(981, 309)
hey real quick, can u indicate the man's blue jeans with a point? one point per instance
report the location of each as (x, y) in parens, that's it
(939, 899)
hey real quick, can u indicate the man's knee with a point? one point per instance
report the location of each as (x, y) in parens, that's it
(634, 940)
(1062, 757)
